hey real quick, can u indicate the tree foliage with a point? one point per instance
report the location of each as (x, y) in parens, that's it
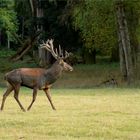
(8, 18)
(24, 17)
(96, 22)
(76, 24)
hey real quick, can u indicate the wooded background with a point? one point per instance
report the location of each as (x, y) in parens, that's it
(86, 28)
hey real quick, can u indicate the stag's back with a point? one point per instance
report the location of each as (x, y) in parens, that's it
(29, 77)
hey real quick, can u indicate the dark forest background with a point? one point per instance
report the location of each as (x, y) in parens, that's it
(93, 31)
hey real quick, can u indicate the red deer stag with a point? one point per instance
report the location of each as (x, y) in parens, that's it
(36, 78)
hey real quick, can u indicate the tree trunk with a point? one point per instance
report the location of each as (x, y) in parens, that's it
(44, 57)
(0, 37)
(125, 40)
(122, 60)
(32, 7)
(22, 30)
(26, 46)
(115, 54)
(89, 57)
(8, 41)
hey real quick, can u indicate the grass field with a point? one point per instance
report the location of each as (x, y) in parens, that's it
(82, 114)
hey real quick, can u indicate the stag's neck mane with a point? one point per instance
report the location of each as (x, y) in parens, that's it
(55, 70)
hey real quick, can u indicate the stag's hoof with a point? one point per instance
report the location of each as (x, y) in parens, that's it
(54, 108)
(23, 110)
(28, 109)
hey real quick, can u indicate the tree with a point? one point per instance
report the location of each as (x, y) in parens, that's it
(55, 26)
(24, 17)
(8, 20)
(28, 24)
(96, 21)
(26, 45)
(128, 28)
(124, 45)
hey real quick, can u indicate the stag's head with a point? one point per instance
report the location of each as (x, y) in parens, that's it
(58, 55)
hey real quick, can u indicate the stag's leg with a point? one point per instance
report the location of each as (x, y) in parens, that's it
(8, 91)
(34, 98)
(16, 89)
(49, 98)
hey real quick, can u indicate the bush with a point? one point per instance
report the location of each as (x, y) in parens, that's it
(6, 52)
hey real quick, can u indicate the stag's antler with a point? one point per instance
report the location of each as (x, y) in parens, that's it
(49, 46)
(56, 54)
(67, 54)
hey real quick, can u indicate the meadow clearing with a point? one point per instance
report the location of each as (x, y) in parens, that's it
(82, 114)
(84, 110)
(100, 98)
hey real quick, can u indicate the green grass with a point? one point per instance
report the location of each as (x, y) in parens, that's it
(88, 76)
(82, 114)
(6, 52)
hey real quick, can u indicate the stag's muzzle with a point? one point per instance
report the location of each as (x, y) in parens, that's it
(67, 67)
(71, 69)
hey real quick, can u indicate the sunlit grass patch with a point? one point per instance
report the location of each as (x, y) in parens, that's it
(82, 114)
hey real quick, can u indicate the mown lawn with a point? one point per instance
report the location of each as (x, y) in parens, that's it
(82, 114)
